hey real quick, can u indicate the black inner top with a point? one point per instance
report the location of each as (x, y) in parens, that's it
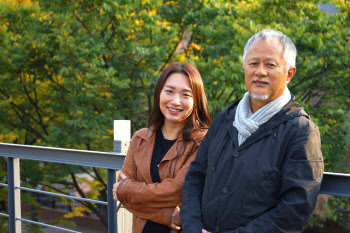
(161, 147)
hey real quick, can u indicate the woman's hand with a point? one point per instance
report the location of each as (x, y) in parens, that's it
(115, 186)
(205, 231)
(175, 220)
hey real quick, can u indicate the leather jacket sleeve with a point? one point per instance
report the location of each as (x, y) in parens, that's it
(301, 181)
(164, 194)
(158, 215)
(129, 168)
(151, 201)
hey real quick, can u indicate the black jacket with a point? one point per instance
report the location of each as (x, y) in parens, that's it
(268, 184)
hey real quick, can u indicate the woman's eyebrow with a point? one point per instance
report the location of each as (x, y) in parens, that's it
(185, 89)
(169, 86)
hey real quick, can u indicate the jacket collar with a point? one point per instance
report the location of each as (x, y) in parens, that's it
(148, 134)
(290, 111)
(144, 152)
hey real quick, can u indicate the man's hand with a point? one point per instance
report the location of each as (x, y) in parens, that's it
(115, 186)
(205, 231)
(175, 220)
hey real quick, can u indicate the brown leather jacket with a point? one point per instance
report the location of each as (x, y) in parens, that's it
(138, 194)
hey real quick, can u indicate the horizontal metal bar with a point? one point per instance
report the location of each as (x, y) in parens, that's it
(46, 225)
(5, 185)
(5, 215)
(65, 156)
(62, 195)
(337, 184)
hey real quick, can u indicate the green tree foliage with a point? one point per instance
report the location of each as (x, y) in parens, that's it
(69, 68)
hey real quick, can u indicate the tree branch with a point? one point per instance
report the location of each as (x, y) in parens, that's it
(81, 21)
(112, 36)
(57, 84)
(229, 97)
(222, 92)
(38, 110)
(109, 23)
(26, 123)
(321, 99)
(99, 178)
(173, 51)
(82, 194)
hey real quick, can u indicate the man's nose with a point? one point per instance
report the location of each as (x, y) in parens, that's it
(261, 71)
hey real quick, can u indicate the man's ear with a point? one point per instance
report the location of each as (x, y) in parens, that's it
(290, 74)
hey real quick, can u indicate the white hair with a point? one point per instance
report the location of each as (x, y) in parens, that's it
(290, 51)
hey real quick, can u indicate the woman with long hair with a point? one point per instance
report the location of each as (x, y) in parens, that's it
(150, 183)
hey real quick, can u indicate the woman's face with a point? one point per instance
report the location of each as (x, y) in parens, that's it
(176, 101)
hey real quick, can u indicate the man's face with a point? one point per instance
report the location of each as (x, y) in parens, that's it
(265, 71)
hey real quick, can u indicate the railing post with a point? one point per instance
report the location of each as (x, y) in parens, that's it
(112, 205)
(121, 144)
(14, 195)
(121, 136)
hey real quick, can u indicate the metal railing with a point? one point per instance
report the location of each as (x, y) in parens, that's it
(15, 152)
(337, 184)
(332, 184)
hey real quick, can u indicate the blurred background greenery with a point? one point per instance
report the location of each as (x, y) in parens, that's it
(69, 68)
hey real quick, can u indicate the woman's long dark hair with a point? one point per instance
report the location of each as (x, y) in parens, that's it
(199, 119)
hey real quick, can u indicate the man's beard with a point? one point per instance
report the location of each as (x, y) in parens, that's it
(259, 96)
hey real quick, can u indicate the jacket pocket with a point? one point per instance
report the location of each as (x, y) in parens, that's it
(263, 196)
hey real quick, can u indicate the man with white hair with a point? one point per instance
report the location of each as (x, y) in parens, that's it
(260, 166)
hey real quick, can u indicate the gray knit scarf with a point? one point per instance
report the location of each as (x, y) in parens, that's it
(247, 123)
